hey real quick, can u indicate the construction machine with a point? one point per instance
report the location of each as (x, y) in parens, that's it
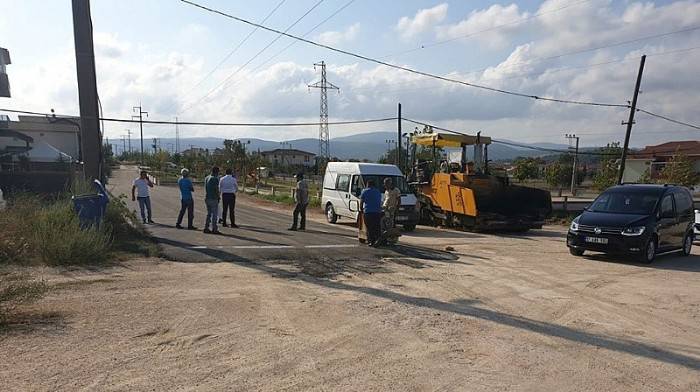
(466, 194)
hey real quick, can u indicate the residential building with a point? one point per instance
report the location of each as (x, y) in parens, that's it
(40, 139)
(655, 158)
(289, 157)
(195, 152)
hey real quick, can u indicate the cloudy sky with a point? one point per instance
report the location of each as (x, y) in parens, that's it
(178, 60)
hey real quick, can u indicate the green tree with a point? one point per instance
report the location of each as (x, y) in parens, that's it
(679, 170)
(646, 177)
(557, 175)
(526, 168)
(608, 172)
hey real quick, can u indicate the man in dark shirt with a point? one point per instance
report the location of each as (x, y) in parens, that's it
(371, 199)
(211, 186)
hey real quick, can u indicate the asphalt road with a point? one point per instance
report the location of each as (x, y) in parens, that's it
(262, 233)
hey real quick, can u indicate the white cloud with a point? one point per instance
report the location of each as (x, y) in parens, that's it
(487, 23)
(278, 93)
(422, 21)
(109, 45)
(339, 37)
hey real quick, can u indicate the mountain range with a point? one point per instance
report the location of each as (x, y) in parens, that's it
(369, 146)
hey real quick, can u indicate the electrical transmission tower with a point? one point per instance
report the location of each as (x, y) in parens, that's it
(323, 135)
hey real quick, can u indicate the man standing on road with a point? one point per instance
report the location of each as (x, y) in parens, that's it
(140, 191)
(228, 185)
(392, 200)
(372, 212)
(301, 197)
(186, 201)
(211, 199)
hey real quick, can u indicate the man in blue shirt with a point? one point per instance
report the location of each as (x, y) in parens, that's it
(186, 200)
(372, 212)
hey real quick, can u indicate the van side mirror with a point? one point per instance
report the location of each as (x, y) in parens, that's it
(354, 206)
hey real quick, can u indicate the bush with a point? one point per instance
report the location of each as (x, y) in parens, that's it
(59, 240)
(49, 232)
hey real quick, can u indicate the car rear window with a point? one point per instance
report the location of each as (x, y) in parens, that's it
(684, 204)
(625, 203)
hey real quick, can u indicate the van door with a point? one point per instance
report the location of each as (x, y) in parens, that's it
(685, 214)
(343, 188)
(330, 194)
(355, 191)
(666, 225)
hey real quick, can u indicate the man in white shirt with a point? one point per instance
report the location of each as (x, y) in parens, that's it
(140, 191)
(228, 186)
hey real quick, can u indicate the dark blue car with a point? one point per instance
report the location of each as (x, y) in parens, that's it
(635, 219)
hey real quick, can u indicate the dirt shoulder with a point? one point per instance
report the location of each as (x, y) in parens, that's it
(498, 313)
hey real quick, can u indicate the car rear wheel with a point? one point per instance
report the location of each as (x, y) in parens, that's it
(331, 217)
(576, 252)
(687, 244)
(649, 253)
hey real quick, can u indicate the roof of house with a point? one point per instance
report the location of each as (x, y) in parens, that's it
(287, 151)
(688, 147)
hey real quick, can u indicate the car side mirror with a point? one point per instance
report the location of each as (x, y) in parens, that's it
(354, 206)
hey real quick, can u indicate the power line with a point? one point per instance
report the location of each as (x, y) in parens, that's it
(417, 72)
(669, 119)
(280, 34)
(535, 60)
(235, 49)
(512, 144)
(436, 43)
(224, 124)
(346, 5)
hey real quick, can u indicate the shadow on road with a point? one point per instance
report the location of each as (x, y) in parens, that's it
(466, 307)
(672, 261)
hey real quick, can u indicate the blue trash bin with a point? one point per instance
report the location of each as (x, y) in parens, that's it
(91, 208)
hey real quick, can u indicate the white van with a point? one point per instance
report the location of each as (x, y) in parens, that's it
(344, 181)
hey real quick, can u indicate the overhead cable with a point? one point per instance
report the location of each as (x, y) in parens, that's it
(239, 69)
(417, 72)
(223, 124)
(669, 119)
(235, 49)
(512, 144)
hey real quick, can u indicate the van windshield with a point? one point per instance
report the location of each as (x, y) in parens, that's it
(399, 182)
(625, 203)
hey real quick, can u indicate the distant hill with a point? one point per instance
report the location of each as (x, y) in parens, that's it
(369, 146)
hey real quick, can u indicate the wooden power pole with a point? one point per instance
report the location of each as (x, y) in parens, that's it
(630, 122)
(90, 135)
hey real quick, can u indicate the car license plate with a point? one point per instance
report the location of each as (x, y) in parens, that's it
(597, 240)
(401, 218)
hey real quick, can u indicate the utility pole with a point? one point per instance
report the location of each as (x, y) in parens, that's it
(128, 132)
(124, 144)
(140, 117)
(571, 138)
(177, 137)
(90, 135)
(398, 138)
(155, 146)
(630, 122)
(323, 134)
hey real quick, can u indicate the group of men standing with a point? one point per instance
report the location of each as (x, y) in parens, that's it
(216, 189)
(379, 211)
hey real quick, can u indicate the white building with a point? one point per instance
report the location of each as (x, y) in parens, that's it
(289, 157)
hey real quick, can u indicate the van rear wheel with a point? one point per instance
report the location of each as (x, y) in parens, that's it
(331, 216)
